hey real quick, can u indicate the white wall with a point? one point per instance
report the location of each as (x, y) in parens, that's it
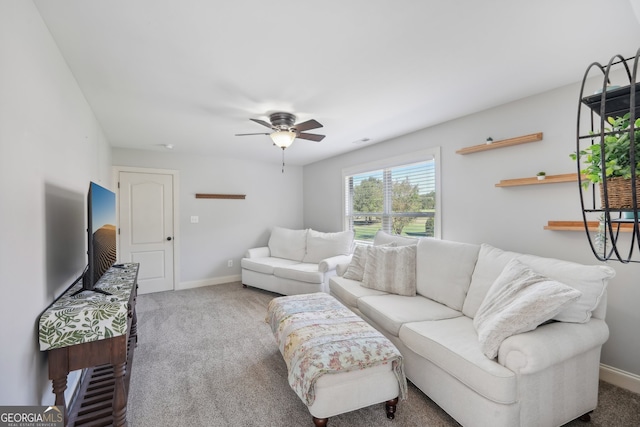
(226, 228)
(51, 146)
(512, 218)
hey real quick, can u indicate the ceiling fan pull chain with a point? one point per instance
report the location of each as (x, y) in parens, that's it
(283, 160)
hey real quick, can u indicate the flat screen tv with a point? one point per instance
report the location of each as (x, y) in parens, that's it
(101, 231)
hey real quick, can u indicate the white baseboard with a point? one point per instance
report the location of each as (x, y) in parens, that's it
(209, 282)
(620, 378)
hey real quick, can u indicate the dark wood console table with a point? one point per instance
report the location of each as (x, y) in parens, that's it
(95, 332)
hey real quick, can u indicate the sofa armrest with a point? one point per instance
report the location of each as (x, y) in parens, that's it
(261, 252)
(331, 263)
(551, 344)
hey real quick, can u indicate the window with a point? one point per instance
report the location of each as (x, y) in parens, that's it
(399, 196)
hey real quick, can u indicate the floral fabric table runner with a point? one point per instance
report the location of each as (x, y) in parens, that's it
(318, 335)
(89, 316)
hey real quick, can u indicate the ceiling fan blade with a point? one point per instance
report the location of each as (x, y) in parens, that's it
(262, 122)
(308, 125)
(311, 136)
(245, 134)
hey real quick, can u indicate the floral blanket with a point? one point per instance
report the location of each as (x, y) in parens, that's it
(317, 335)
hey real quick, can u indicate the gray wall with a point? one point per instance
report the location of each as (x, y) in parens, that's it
(51, 146)
(512, 218)
(226, 228)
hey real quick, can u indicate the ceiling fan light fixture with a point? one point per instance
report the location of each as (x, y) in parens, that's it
(283, 138)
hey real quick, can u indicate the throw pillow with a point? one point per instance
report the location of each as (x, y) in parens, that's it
(325, 245)
(518, 301)
(391, 269)
(288, 244)
(355, 271)
(591, 280)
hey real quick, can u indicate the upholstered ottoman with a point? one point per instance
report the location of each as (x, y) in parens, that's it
(336, 361)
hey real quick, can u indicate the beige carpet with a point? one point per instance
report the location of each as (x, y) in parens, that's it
(205, 357)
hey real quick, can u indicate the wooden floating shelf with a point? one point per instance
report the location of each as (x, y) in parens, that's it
(550, 179)
(500, 144)
(579, 226)
(220, 196)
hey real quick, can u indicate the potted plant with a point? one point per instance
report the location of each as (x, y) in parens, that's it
(616, 162)
(541, 175)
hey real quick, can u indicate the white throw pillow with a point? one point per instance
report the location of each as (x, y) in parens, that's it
(326, 245)
(355, 271)
(591, 280)
(518, 301)
(391, 269)
(288, 244)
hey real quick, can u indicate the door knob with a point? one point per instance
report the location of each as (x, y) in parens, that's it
(168, 238)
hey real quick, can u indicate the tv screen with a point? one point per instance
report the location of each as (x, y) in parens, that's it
(102, 233)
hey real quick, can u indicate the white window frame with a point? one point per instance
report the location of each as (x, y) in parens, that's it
(396, 161)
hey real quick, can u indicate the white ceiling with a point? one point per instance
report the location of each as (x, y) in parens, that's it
(192, 72)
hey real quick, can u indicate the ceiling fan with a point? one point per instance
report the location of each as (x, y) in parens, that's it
(285, 130)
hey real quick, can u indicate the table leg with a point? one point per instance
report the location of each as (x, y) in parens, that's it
(59, 386)
(320, 422)
(58, 371)
(119, 396)
(390, 406)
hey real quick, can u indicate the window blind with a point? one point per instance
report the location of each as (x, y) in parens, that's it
(399, 200)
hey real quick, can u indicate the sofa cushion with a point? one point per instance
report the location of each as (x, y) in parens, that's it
(390, 312)
(452, 345)
(265, 265)
(518, 301)
(324, 245)
(288, 244)
(590, 280)
(444, 269)
(348, 291)
(383, 238)
(302, 272)
(391, 269)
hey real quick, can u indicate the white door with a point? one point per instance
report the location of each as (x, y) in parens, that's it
(146, 228)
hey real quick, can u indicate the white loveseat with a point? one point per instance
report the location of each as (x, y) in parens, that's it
(547, 376)
(296, 261)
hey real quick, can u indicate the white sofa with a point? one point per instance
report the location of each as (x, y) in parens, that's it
(545, 377)
(296, 261)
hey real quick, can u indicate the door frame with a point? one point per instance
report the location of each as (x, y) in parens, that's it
(175, 207)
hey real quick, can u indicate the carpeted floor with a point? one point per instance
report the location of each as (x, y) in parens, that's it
(205, 357)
